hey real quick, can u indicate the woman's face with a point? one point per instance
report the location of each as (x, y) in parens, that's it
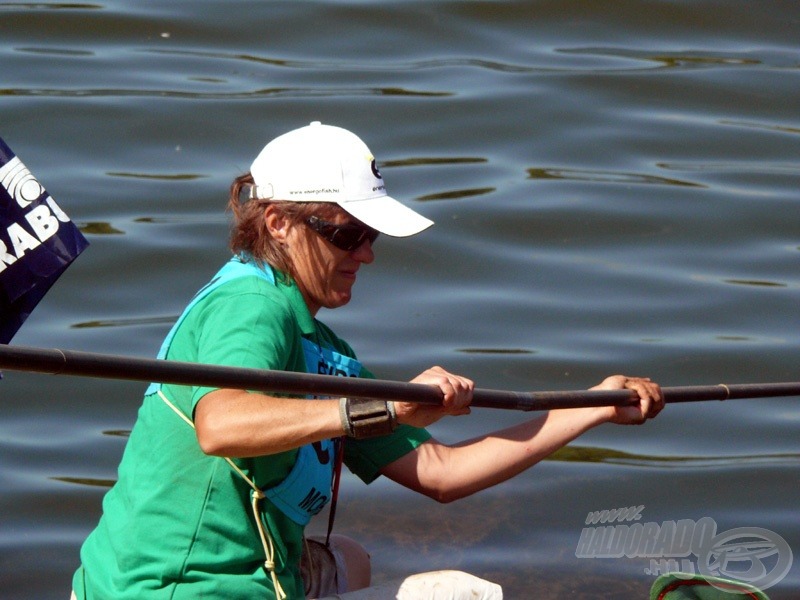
(325, 274)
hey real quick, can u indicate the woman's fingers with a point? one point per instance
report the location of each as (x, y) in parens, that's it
(456, 390)
(651, 398)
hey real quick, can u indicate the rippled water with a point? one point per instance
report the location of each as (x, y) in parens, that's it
(615, 188)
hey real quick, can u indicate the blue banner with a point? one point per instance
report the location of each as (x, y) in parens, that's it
(37, 242)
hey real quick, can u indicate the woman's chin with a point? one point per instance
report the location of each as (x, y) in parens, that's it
(339, 299)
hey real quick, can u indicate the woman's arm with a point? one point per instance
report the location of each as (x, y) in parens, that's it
(447, 473)
(236, 423)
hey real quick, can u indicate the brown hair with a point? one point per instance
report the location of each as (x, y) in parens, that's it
(249, 233)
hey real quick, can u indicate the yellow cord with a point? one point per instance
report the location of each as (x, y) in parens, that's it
(256, 496)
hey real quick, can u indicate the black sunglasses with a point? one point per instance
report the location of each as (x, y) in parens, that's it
(347, 236)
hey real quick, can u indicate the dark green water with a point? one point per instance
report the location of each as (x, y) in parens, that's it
(616, 189)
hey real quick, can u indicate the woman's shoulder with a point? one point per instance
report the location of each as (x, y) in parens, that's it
(244, 299)
(248, 285)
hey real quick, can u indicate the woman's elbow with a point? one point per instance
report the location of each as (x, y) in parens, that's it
(210, 443)
(212, 424)
(443, 497)
(210, 435)
(442, 492)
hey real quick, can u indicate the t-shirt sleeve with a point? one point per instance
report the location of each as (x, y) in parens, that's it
(365, 458)
(243, 326)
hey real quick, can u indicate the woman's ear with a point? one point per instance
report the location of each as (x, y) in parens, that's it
(277, 223)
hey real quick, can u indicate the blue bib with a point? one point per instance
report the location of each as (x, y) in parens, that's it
(307, 488)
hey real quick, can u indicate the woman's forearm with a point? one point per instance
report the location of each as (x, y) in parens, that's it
(235, 423)
(447, 473)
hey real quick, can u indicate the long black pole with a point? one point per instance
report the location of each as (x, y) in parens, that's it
(107, 366)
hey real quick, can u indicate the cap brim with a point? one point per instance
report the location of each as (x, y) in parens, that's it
(387, 215)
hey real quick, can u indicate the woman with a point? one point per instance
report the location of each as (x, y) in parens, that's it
(182, 522)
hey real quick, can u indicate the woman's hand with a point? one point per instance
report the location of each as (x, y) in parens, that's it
(651, 400)
(456, 396)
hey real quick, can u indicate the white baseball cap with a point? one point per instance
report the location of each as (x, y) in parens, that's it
(323, 163)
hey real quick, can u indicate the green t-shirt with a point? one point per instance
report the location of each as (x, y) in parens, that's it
(178, 523)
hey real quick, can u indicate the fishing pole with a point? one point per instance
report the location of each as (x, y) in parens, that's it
(107, 366)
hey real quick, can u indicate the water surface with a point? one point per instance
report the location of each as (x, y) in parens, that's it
(615, 189)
